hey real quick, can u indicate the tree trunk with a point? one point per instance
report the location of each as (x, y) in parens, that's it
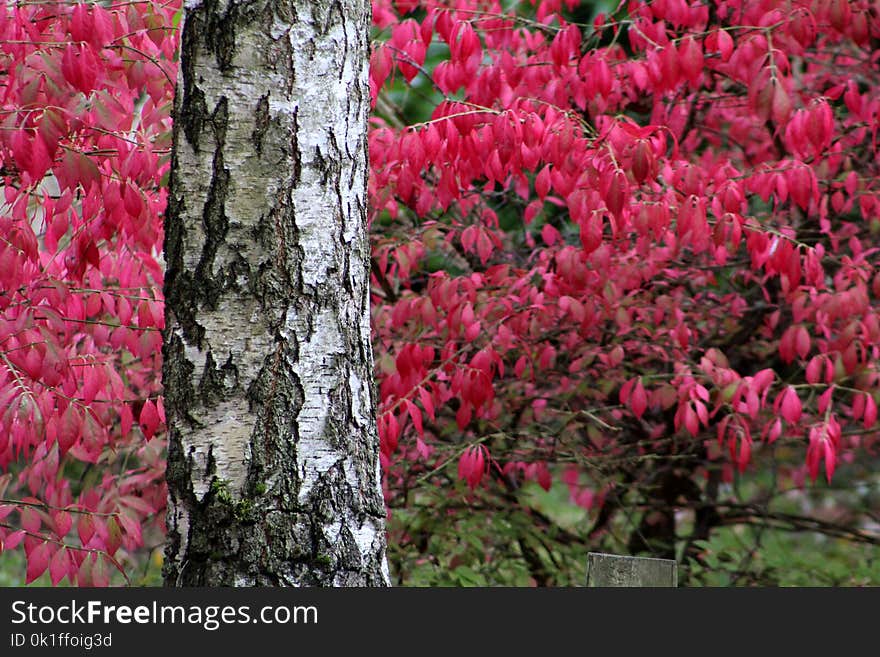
(273, 469)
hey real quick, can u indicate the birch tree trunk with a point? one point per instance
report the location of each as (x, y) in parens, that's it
(273, 468)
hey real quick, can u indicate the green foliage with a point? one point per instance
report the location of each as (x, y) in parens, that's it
(517, 545)
(145, 570)
(543, 540)
(745, 556)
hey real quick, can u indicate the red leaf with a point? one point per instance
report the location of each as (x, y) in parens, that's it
(616, 194)
(30, 154)
(643, 161)
(132, 531)
(815, 369)
(100, 572)
(691, 421)
(780, 104)
(591, 233)
(702, 412)
(745, 453)
(70, 428)
(92, 383)
(37, 562)
(81, 23)
(160, 409)
(86, 568)
(149, 419)
(59, 566)
(761, 93)
(30, 520)
(790, 406)
(427, 402)
(774, 431)
(13, 539)
(626, 390)
(52, 128)
(389, 432)
(76, 168)
(691, 59)
(113, 538)
(79, 67)
(638, 400)
(63, 522)
(90, 253)
(543, 476)
(472, 465)
(463, 415)
(126, 419)
(803, 26)
(416, 416)
(725, 45)
(381, 62)
(542, 182)
(85, 529)
(839, 14)
(869, 418)
(825, 400)
(830, 459)
(145, 316)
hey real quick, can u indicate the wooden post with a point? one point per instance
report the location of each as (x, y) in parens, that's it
(613, 570)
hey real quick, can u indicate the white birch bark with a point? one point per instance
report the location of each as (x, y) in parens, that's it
(273, 467)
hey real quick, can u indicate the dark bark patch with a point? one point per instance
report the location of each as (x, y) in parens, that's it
(214, 219)
(261, 123)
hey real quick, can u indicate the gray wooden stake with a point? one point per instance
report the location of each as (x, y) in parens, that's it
(613, 570)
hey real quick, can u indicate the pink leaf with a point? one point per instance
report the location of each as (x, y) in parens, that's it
(69, 429)
(85, 528)
(830, 459)
(37, 562)
(543, 476)
(427, 402)
(791, 405)
(13, 540)
(416, 416)
(691, 421)
(639, 399)
(149, 419)
(725, 45)
(63, 522)
(100, 572)
(59, 566)
(30, 520)
(126, 419)
(869, 418)
(472, 465)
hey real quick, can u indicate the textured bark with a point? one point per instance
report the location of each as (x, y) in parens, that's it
(273, 469)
